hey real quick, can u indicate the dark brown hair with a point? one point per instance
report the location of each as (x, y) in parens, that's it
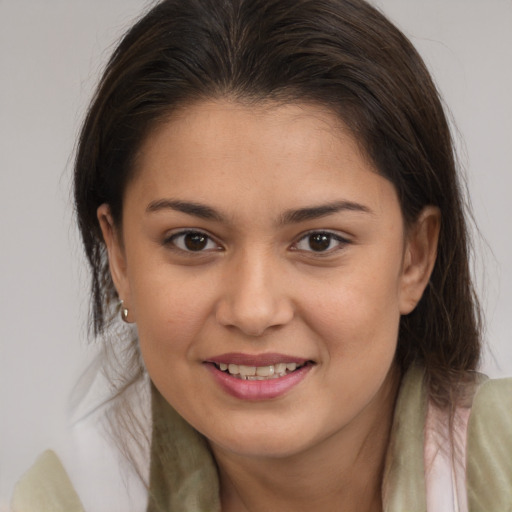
(342, 54)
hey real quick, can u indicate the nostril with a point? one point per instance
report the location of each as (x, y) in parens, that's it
(253, 316)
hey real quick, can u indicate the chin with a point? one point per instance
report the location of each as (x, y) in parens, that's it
(264, 448)
(267, 441)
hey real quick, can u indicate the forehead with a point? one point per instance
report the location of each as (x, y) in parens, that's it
(275, 153)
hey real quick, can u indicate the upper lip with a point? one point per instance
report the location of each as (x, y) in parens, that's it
(255, 359)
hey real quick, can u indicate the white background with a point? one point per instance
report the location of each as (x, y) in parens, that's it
(51, 53)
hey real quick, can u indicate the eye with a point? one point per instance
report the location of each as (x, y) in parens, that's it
(192, 241)
(321, 242)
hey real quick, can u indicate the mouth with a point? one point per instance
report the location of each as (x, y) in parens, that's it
(258, 377)
(268, 372)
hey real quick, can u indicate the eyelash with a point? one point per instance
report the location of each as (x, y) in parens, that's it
(207, 240)
(172, 241)
(342, 242)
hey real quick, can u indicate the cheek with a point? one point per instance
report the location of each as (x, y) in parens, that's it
(170, 319)
(359, 311)
(170, 311)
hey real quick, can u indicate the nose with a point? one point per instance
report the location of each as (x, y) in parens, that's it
(254, 297)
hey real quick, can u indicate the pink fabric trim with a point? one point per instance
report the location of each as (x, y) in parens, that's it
(445, 465)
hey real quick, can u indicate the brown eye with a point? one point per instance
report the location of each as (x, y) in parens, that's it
(192, 241)
(195, 241)
(320, 241)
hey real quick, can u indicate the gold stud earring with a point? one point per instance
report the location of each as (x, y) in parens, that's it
(124, 312)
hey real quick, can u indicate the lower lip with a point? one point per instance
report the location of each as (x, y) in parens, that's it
(258, 389)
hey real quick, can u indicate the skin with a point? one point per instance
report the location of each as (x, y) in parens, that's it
(259, 287)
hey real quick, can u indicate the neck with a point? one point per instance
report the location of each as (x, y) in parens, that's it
(343, 472)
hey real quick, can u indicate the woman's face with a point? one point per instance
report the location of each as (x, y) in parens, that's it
(265, 264)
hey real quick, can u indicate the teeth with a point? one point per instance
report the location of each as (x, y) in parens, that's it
(265, 371)
(247, 370)
(273, 371)
(281, 367)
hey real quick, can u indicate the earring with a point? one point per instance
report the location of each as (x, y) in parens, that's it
(124, 312)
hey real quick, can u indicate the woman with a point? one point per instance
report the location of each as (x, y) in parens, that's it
(267, 190)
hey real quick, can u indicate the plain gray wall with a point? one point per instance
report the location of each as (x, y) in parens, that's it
(50, 56)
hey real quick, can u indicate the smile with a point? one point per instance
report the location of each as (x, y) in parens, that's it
(244, 372)
(258, 377)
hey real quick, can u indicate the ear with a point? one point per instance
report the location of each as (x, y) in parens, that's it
(116, 253)
(419, 257)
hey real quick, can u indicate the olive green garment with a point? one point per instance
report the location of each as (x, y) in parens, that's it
(488, 448)
(45, 487)
(187, 467)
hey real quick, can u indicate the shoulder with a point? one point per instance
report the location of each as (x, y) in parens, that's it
(493, 396)
(45, 486)
(489, 447)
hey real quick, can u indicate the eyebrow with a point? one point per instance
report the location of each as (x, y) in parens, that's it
(196, 209)
(316, 212)
(289, 217)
